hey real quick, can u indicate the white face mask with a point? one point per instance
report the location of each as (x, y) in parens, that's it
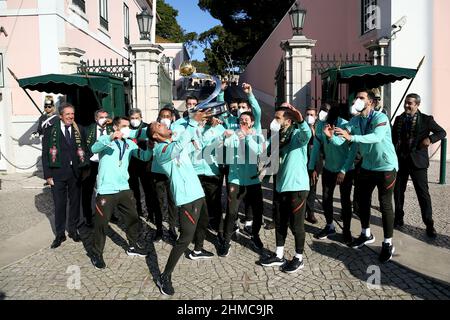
(353, 111)
(359, 105)
(241, 111)
(135, 122)
(101, 121)
(323, 115)
(166, 122)
(126, 132)
(275, 126)
(310, 120)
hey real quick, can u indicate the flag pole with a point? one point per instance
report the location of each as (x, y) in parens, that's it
(406, 91)
(14, 76)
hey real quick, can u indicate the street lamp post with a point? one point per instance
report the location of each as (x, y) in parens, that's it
(144, 20)
(146, 62)
(173, 73)
(297, 60)
(297, 16)
(168, 65)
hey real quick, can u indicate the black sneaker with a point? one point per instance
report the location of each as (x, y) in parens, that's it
(272, 261)
(136, 251)
(325, 232)
(202, 255)
(362, 240)
(223, 249)
(164, 284)
(246, 232)
(387, 250)
(292, 266)
(256, 240)
(98, 262)
(158, 236)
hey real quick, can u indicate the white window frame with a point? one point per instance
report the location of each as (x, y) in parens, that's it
(126, 24)
(77, 3)
(365, 15)
(103, 10)
(2, 72)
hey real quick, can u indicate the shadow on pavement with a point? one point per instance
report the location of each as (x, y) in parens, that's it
(145, 235)
(362, 269)
(44, 204)
(441, 240)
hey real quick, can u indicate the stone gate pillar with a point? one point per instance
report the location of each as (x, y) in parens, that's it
(297, 57)
(146, 88)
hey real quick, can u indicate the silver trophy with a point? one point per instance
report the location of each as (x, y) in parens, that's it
(217, 108)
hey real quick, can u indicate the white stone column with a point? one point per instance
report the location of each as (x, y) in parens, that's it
(146, 95)
(298, 70)
(378, 49)
(69, 59)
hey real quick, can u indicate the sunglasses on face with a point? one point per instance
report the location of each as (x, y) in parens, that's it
(48, 106)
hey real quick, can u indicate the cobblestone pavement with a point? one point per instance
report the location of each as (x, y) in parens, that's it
(332, 270)
(440, 197)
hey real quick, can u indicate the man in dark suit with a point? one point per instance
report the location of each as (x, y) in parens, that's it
(63, 158)
(412, 134)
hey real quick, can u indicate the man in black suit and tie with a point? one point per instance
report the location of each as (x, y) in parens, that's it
(412, 134)
(63, 158)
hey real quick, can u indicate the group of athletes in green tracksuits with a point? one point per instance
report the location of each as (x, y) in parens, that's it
(192, 152)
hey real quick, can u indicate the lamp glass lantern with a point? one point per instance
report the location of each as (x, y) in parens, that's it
(297, 15)
(144, 20)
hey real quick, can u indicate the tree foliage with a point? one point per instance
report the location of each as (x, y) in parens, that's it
(169, 29)
(168, 26)
(201, 66)
(246, 24)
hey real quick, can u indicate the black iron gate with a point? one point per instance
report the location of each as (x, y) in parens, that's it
(120, 69)
(323, 62)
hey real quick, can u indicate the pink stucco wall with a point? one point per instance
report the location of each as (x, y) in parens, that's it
(334, 24)
(24, 47)
(441, 62)
(95, 49)
(15, 4)
(19, 59)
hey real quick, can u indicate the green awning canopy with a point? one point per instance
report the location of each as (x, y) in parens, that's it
(367, 76)
(66, 83)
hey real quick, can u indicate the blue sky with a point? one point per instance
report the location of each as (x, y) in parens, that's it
(192, 19)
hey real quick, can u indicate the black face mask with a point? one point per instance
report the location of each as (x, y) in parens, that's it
(234, 112)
